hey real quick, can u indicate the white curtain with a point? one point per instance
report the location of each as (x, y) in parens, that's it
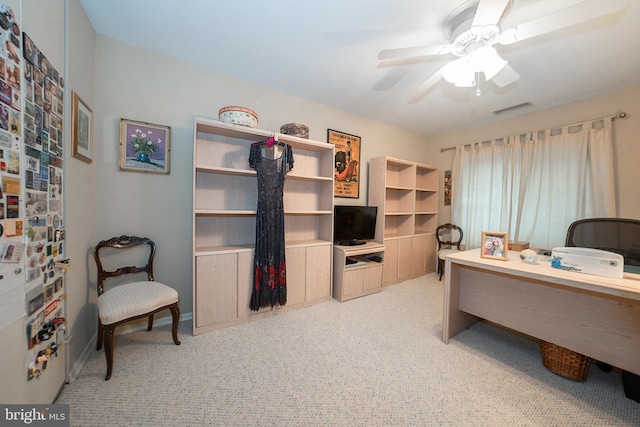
(534, 185)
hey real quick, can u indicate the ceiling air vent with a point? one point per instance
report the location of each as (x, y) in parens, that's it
(513, 107)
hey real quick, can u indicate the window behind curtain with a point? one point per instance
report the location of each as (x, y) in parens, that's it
(534, 185)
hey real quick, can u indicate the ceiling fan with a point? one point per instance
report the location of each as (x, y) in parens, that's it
(474, 30)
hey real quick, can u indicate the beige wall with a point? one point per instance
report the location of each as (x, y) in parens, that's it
(625, 136)
(80, 191)
(146, 86)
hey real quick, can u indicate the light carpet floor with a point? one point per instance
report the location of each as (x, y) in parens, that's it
(373, 361)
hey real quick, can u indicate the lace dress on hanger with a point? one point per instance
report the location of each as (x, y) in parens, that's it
(270, 276)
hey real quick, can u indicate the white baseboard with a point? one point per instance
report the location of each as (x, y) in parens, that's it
(74, 370)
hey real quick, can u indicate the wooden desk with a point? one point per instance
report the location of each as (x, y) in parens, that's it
(592, 315)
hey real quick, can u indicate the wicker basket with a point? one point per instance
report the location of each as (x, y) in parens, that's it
(564, 362)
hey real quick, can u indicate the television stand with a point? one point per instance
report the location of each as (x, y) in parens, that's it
(364, 277)
(353, 242)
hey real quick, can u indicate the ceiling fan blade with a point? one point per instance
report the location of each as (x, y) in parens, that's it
(405, 52)
(489, 12)
(390, 79)
(572, 15)
(422, 90)
(506, 76)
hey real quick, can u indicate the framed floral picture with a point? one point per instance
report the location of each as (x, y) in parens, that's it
(144, 147)
(494, 245)
(81, 129)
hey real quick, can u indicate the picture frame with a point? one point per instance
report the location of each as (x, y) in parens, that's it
(346, 164)
(447, 188)
(144, 147)
(81, 129)
(494, 245)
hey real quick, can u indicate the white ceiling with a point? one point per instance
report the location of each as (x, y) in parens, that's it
(326, 51)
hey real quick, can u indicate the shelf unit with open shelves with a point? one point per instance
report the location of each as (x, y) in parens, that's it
(224, 212)
(406, 194)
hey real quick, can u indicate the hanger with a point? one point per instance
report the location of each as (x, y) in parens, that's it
(273, 139)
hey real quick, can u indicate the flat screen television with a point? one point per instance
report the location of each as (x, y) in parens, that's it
(354, 225)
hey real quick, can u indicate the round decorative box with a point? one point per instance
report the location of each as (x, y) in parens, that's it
(295, 129)
(238, 116)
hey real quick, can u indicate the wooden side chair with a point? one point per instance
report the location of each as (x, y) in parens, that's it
(449, 238)
(131, 300)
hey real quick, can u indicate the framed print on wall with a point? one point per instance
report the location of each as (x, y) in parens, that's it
(447, 188)
(494, 245)
(346, 181)
(81, 129)
(144, 147)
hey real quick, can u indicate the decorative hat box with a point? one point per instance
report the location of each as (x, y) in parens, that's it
(238, 116)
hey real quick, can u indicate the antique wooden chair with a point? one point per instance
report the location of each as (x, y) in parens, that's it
(129, 300)
(449, 238)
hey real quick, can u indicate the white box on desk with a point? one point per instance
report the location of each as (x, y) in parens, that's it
(589, 261)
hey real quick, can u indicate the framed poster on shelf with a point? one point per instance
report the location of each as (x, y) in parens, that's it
(346, 164)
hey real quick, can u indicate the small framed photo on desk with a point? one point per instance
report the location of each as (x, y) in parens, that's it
(494, 245)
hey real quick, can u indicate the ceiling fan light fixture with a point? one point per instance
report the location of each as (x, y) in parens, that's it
(462, 71)
(488, 61)
(459, 72)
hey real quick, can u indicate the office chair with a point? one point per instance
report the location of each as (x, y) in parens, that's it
(618, 235)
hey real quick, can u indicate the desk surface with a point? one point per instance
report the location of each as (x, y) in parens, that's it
(627, 287)
(592, 315)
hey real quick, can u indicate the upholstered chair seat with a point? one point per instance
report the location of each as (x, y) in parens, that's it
(134, 299)
(125, 301)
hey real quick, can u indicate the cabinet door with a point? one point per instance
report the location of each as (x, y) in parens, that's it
(318, 272)
(430, 255)
(404, 258)
(372, 277)
(418, 255)
(216, 289)
(245, 283)
(390, 261)
(296, 280)
(352, 281)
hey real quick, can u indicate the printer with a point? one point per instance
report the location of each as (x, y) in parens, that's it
(589, 261)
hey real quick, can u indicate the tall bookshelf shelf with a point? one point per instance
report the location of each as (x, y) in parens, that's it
(406, 194)
(224, 217)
